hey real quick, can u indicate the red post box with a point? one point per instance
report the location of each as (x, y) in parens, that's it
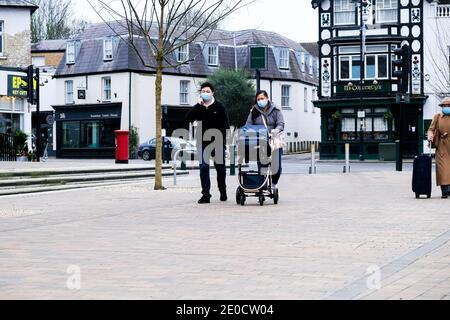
(121, 146)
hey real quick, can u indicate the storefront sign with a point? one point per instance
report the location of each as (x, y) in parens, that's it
(367, 88)
(89, 114)
(18, 86)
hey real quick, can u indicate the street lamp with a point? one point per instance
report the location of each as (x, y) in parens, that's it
(364, 18)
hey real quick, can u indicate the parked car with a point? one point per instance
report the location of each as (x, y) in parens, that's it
(147, 150)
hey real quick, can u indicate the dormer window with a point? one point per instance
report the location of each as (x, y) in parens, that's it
(213, 55)
(283, 59)
(311, 65)
(70, 52)
(182, 53)
(108, 49)
(344, 12)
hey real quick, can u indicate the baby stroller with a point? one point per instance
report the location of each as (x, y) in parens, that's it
(253, 145)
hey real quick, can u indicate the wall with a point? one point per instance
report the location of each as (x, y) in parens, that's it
(17, 51)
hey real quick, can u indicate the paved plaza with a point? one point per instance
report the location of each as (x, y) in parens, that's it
(333, 236)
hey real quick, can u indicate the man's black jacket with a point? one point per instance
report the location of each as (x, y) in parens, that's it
(213, 117)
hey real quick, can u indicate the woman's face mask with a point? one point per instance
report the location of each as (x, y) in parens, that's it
(446, 110)
(263, 103)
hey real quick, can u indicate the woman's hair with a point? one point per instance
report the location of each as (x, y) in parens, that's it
(255, 112)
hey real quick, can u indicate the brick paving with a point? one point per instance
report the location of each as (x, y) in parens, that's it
(323, 241)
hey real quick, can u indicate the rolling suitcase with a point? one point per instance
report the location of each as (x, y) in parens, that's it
(422, 176)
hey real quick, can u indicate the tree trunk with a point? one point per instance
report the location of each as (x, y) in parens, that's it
(159, 143)
(158, 91)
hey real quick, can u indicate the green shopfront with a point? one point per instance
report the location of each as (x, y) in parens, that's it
(376, 126)
(87, 131)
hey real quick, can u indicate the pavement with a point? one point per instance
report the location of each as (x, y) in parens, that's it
(333, 236)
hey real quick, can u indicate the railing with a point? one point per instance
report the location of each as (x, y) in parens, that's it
(7, 147)
(443, 11)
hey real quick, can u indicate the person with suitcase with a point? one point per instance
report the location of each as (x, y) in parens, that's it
(438, 134)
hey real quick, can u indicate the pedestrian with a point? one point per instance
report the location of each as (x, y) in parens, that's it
(438, 134)
(266, 112)
(211, 116)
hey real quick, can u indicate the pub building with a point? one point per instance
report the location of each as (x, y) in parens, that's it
(369, 118)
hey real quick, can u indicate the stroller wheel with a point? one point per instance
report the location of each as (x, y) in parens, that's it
(238, 195)
(276, 196)
(261, 200)
(242, 200)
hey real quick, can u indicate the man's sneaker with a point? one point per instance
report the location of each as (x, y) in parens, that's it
(223, 196)
(204, 199)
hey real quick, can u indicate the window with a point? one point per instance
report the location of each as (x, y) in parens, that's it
(377, 66)
(38, 61)
(106, 89)
(285, 95)
(213, 55)
(108, 49)
(184, 92)
(283, 59)
(348, 129)
(182, 53)
(349, 68)
(303, 62)
(305, 99)
(2, 38)
(70, 56)
(344, 12)
(69, 92)
(380, 128)
(387, 11)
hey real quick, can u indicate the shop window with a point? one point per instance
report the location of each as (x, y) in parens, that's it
(71, 134)
(10, 122)
(348, 128)
(380, 128)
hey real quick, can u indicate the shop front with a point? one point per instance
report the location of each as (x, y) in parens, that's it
(368, 128)
(87, 131)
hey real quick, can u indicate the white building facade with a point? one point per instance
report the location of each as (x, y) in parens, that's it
(15, 47)
(102, 87)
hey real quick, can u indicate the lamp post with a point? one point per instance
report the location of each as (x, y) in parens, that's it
(363, 4)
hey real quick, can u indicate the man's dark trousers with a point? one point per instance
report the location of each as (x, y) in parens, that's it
(219, 164)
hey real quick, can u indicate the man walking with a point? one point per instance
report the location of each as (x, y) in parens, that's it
(213, 121)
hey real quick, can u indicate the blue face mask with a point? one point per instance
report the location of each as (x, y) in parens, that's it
(206, 96)
(262, 103)
(446, 111)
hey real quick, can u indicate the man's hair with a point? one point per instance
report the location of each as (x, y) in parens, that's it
(207, 85)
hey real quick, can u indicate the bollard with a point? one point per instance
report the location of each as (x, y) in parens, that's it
(183, 157)
(399, 160)
(347, 158)
(312, 169)
(232, 151)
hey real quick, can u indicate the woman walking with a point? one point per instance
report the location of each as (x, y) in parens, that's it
(266, 112)
(438, 133)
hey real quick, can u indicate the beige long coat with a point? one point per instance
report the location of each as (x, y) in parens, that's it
(443, 148)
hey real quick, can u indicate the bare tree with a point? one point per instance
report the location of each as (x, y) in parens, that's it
(54, 20)
(164, 26)
(438, 49)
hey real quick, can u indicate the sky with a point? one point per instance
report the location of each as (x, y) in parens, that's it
(294, 19)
